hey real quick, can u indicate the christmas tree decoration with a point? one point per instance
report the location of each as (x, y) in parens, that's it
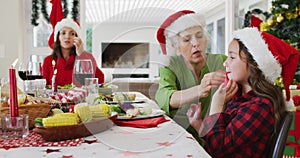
(287, 21)
(280, 18)
(264, 26)
(290, 15)
(41, 6)
(271, 22)
(255, 17)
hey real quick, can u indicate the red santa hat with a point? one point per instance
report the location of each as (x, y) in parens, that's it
(176, 23)
(55, 16)
(274, 57)
(67, 22)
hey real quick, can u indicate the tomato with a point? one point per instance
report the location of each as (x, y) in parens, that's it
(71, 108)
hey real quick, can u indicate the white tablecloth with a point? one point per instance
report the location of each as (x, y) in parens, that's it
(167, 140)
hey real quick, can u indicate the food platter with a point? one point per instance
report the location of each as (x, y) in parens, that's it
(155, 113)
(59, 133)
(136, 101)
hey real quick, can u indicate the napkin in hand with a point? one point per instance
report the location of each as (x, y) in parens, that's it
(142, 123)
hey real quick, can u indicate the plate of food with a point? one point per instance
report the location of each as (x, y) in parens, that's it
(129, 112)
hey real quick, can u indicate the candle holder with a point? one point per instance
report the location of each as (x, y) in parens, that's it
(14, 127)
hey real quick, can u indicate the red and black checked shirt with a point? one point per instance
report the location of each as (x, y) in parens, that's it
(242, 130)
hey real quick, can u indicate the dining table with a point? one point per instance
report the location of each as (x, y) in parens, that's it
(165, 139)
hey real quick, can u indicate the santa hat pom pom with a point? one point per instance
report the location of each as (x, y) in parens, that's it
(290, 106)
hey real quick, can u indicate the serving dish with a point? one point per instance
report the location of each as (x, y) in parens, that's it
(59, 133)
(155, 113)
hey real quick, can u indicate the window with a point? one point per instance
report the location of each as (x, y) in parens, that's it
(221, 36)
(41, 34)
(210, 31)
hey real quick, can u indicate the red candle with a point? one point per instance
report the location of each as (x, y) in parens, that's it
(14, 111)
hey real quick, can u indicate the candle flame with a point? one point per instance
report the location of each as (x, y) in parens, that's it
(14, 63)
(53, 62)
(55, 72)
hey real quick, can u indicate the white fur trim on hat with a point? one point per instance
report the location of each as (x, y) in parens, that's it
(66, 23)
(184, 22)
(290, 106)
(257, 46)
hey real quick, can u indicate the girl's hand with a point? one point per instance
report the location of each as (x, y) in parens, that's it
(194, 116)
(218, 100)
(78, 45)
(232, 89)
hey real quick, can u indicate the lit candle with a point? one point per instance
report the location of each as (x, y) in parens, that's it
(14, 111)
(53, 64)
(54, 87)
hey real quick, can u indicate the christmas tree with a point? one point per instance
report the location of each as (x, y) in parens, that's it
(284, 23)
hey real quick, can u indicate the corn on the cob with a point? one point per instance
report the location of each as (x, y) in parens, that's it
(105, 109)
(62, 120)
(101, 110)
(83, 112)
(68, 114)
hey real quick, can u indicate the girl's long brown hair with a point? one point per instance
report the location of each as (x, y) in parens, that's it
(261, 86)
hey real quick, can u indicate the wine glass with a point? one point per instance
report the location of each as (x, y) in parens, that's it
(83, 68)
(34, 71)
(22, 71)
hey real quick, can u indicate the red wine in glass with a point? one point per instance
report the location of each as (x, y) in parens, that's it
(23, 75)
(33, 77)
(34, 71)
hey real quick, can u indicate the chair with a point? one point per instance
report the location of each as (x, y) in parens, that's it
(278, 140)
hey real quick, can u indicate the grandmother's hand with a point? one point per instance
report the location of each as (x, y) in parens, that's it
(209, 81)
(79, 46)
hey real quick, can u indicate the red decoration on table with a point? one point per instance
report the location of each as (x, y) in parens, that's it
(142, 123)
(91, 141)
(73, 95)
(14, 111)
(52, 150)
(35, 140)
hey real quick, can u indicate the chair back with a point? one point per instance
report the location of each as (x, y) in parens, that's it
(278, 140)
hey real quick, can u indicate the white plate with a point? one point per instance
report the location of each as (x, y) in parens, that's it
(136, 101)
(155, 113)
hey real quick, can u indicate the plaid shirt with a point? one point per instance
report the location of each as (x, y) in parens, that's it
(242, 130)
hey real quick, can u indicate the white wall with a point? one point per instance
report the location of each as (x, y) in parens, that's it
(11, 33)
